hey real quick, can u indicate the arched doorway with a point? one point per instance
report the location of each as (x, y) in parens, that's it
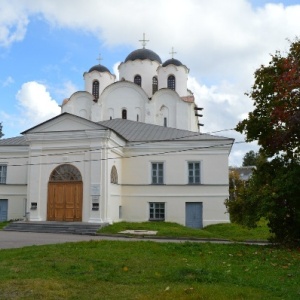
(65, 194)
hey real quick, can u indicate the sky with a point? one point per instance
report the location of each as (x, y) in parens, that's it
(46, 46)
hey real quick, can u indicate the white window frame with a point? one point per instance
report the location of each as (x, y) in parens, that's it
(157, 211)
(192, 173)
(3, 173)
(160, 179)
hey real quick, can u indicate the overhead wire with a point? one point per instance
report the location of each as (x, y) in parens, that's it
(132, 156)
(115, 147)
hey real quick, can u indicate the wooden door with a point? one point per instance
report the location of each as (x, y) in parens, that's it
(64, 201)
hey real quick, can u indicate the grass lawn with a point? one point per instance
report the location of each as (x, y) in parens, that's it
(149, 270)
(3, 224)
(232, 232)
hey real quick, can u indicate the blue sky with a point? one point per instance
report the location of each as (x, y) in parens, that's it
(45, 46)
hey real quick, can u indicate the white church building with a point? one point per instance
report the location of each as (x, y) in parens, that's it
(121, 150)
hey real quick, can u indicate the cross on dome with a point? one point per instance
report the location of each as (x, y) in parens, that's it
(144, 41)
(99, 58)
(172, 52)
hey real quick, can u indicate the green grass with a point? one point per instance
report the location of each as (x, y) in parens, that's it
(3, 224)
(220, 231)
(149, 270)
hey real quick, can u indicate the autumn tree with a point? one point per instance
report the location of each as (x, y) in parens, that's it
(274, 188)
(275, 120)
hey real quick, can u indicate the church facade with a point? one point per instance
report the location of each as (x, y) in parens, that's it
(127, 149)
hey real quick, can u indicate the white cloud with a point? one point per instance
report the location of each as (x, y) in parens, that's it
(13, 22)
(8, 81)
(116, 70)
(66, 90)
(36, 104)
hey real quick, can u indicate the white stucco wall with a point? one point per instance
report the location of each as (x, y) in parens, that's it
(105, 79)
(123, 95)
(147, 69)
(181, 77)
(15, 188)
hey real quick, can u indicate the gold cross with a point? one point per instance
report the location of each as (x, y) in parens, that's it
(143, 41)
(172, 52)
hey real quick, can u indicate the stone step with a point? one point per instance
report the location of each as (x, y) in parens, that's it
(56, 227)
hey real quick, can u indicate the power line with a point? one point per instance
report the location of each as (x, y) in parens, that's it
(115, 147)
(132, 156)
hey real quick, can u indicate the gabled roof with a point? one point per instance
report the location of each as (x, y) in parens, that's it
(14, 141)
(59, 119)
(133, 131)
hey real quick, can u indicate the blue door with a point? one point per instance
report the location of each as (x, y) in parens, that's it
(3, 210)
(193, 214)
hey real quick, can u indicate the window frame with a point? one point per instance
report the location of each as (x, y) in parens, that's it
(159, 179)
(124, 113)
(114, 175)
(96, 89)
(194, 178)
(138, 80)
(157, 211)
(3, 173)
(171, 82)
(154, 84)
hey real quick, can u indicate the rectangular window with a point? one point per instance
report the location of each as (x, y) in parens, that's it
(165, 122)
(157, 173)
(3, 170)
(194, 172)
(157, 211)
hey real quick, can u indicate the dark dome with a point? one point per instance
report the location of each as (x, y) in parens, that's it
(99, 68)
(143, 54)
(172, 61)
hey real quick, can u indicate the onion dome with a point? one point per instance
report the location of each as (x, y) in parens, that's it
(99, 68)
(172, 61)
(143, 54)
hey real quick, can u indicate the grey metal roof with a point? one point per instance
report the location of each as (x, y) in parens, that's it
(143, 54)
(14, 141)
(172, 61)
(99, 68)
(133, 131)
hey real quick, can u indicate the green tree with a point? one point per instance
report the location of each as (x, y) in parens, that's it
(250, 158)
(1, 134)
(274, 188)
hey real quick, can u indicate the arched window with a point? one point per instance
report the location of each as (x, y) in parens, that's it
(124, 114)
(114, 175)
(138, 80)
(154, 85)
(171, 82)
(65, 172)
(95, 90)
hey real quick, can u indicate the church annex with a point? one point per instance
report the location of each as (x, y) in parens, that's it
(127, 149)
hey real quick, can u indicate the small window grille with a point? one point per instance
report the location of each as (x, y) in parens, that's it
(157, 173)
(3, 171)
(95, 90)
(194, 172)
(65, 172)
(154, 85)
(138, 80)
(171, 82)
(157, 211)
